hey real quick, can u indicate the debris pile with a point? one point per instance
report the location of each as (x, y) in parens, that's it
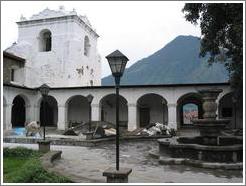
(157, 129)
(105, 129)
(110, 131)
(100, 129)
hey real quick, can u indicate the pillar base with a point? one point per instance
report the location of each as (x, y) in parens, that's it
(44, 146)
(114, 176)
(88, 135)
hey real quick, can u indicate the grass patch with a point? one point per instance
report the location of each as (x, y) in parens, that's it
(21, 165)
(10, 164)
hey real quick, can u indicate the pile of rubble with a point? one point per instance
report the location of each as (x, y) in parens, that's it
(100, 129)
(105, 129)
(155, 129)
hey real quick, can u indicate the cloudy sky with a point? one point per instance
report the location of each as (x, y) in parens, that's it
(137, 29)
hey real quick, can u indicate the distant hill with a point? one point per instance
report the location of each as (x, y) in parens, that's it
(176, 63)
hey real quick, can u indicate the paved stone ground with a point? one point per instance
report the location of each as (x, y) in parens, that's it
(86, 164)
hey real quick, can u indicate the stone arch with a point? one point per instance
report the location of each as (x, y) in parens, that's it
(108, 110)
(151, 108)
(87, 46)
(189, 106)
(48, 111)
(226, 109)
(19, 111)
(45, 40)
(77, 110)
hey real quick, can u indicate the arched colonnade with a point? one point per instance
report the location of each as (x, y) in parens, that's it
(136, 110)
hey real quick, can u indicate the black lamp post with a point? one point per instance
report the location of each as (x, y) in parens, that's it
(44, 90)
(89, 98)
(117, 62)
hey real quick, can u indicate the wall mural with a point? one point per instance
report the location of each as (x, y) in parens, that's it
(190, 111)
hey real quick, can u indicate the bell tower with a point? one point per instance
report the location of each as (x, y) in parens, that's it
(60, 48)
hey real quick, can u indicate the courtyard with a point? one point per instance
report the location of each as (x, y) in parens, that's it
(86, 165)
(168, 110)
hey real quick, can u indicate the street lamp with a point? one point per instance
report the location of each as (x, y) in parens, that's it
(44, 90)
(117, 62)
(89, 98)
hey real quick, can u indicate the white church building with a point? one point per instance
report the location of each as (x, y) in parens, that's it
(59, 48)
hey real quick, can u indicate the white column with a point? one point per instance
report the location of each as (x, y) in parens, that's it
(95, 112)
(62, 123)
(172, 115)
(29, 113)
(36, 113)
(132, 117)
(8, 109)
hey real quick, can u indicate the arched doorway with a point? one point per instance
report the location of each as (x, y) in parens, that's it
(108, 110)
(18, 112)
(151, 108)
(77, 110)
(189, 106)
(50, 116)
(227, 109)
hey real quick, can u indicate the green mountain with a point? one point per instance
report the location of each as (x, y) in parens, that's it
(176, 63)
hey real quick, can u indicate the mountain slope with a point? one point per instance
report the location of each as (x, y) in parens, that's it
(176, 63)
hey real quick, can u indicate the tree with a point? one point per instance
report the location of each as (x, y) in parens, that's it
(221, 36)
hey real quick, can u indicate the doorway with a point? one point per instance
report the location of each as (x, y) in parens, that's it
(18, 115)
(144, 116)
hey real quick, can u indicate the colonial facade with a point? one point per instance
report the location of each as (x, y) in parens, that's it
(59, 48)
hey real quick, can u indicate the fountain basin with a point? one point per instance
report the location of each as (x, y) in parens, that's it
(194, 148)
(210, 127)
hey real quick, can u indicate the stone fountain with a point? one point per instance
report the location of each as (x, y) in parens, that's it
(210, 146)
(209, 125)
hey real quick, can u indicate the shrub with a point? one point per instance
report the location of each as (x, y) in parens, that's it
(31, 171)
(20, 152)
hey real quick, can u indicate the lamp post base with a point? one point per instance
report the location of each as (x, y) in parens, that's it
(88, 135)
(117, 176)
(44, 146)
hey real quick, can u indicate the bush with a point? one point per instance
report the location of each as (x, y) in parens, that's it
(33, 172)
(29, 172)
(20, 152)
